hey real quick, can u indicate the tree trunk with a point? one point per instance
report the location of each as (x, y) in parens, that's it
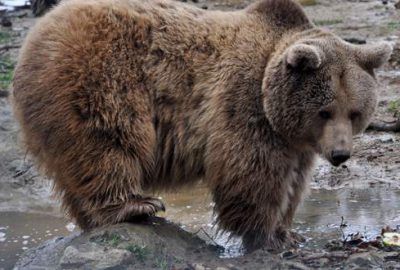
(39, 7)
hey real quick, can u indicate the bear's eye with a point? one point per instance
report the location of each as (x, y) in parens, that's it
(354, 115)
(325, 115)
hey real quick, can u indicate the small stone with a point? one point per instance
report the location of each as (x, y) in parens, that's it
(366, 260)
(391, 256)
(334, 245)
(198, 266)
(6, 22)
(356, 40)
(288, 255)
(386, 139)
(294, 265)
(232, 267)
(397, 5)
(3, 93)
(70, 227)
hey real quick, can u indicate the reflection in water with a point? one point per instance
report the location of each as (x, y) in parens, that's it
(318, 219)
(365, 211)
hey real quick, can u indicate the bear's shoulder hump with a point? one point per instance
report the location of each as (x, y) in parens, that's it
(282, 13)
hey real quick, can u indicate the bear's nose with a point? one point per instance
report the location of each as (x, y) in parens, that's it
(339, 156)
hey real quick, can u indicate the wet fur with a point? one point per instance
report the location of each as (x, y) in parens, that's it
(120, 98)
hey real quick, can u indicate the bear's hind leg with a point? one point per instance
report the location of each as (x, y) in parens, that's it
(101, 162)
(101, 184)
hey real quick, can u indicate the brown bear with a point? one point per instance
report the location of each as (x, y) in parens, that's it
(120, 98)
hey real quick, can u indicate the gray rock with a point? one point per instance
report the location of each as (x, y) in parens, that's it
(366, 260)
(158, 244)
(97, 257)
(73, 258)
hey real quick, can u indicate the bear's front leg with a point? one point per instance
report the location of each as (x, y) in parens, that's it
(251, 192)
(257, 217)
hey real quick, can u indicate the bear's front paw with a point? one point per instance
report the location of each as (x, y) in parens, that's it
(278, 241)
(135, 209)
(289, 239)
(295, 238)
(272, 242)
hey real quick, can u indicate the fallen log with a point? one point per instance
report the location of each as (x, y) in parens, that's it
(385, 126)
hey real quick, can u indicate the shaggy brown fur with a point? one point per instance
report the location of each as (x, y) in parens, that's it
(117, 98)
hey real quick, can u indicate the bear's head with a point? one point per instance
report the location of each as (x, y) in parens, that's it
(320, 91)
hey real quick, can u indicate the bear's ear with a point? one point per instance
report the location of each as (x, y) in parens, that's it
(374, 56)
(303, 56)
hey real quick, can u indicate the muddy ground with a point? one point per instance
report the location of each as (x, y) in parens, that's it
(372, 175)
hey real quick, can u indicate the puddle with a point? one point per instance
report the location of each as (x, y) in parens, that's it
(11, 4)
(363, 210)
(318, 219)
(393, 74)
(21, 231)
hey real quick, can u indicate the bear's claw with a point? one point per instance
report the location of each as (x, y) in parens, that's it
(139, 208)
(148, 206)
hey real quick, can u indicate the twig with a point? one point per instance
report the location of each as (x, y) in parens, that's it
(9, 47)
(208, 235)
(383, 181)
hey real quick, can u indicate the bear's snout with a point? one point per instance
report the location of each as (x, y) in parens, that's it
(339, 156)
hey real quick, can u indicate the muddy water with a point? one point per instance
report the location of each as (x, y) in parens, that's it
(20, 231)
(318, 219)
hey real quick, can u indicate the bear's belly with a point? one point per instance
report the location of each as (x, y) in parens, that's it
(179, 158)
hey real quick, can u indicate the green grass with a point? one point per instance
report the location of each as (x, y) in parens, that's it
(115, 239)
(378, 7)
(308, 2)
(5, 79)
(5, 37)
(140, 253)
(162, 263)
(327, 22)
(6, 64)
(392, 26)
(394, 107)
(6, 72)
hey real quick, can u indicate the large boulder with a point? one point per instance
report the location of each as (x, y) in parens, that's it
(159, 244)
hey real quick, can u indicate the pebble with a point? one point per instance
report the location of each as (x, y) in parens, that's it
(70, 226)
(6, 22)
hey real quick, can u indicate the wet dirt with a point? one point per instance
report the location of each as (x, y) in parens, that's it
(365, 191)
